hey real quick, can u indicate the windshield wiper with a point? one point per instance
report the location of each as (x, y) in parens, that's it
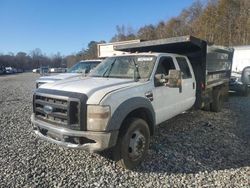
(136, 72)
(109, 69)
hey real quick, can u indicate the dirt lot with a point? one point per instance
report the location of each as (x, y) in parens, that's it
(192, 150)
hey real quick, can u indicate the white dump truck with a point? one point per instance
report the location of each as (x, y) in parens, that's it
(120, 103)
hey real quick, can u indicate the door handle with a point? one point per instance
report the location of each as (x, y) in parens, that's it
(193, 85)
(149, 95)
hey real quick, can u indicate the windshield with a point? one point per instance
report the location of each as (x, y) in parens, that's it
(79, 68)
(137, 66)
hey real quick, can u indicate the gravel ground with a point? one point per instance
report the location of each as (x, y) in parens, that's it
(194, 149)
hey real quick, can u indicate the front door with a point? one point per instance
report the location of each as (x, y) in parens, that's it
(166, 99)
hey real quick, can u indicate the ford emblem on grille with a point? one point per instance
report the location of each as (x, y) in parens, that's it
(47, 109)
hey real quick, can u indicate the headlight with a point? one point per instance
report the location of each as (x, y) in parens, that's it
(97, 117)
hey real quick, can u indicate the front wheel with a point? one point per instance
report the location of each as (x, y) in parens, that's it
(132, 144)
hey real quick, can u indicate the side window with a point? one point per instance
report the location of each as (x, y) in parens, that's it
(165, 64)
(182, 62)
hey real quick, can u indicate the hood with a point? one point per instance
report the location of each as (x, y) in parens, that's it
(57, 77)
(88, 85)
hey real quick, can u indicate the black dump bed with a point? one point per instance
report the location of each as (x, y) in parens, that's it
(211, 64)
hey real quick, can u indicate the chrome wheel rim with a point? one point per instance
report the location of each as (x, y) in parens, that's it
(137, 144)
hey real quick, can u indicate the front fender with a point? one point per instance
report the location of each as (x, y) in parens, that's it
(128, 106)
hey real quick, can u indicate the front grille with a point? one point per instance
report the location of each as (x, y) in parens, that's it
(61, 112)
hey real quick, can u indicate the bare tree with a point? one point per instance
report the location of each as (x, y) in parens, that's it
(148, 32)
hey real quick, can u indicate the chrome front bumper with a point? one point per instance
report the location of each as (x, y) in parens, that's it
(103, 140)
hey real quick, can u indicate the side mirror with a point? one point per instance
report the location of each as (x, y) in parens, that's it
(174, 79)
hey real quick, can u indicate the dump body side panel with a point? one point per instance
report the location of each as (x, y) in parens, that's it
(218, 65)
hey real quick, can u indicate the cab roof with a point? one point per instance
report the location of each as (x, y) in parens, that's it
(146, 54)
(91, 60)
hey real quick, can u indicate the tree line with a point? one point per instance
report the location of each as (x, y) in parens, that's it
(221, 22)
(30, 61)
(36, 58)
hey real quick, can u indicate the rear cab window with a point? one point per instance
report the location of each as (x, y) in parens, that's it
(184, 67)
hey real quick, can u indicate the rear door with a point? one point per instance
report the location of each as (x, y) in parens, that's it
(188, 82)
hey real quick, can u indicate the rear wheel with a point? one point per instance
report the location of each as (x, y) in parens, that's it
(217, 103)
(132, 144)
(206, 107)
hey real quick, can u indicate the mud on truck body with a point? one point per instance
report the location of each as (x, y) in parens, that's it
(119, 104)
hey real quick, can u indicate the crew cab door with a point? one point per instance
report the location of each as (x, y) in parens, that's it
(166, 99)
(188, 82)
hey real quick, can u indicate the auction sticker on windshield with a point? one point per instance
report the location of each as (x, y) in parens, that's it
(144, 58)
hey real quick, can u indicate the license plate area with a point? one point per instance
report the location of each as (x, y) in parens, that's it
(54, 136)
(50, 134)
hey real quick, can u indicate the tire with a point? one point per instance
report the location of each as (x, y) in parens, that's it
(132, 144)
(245, 91)
(206, 107)
(217, 103)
